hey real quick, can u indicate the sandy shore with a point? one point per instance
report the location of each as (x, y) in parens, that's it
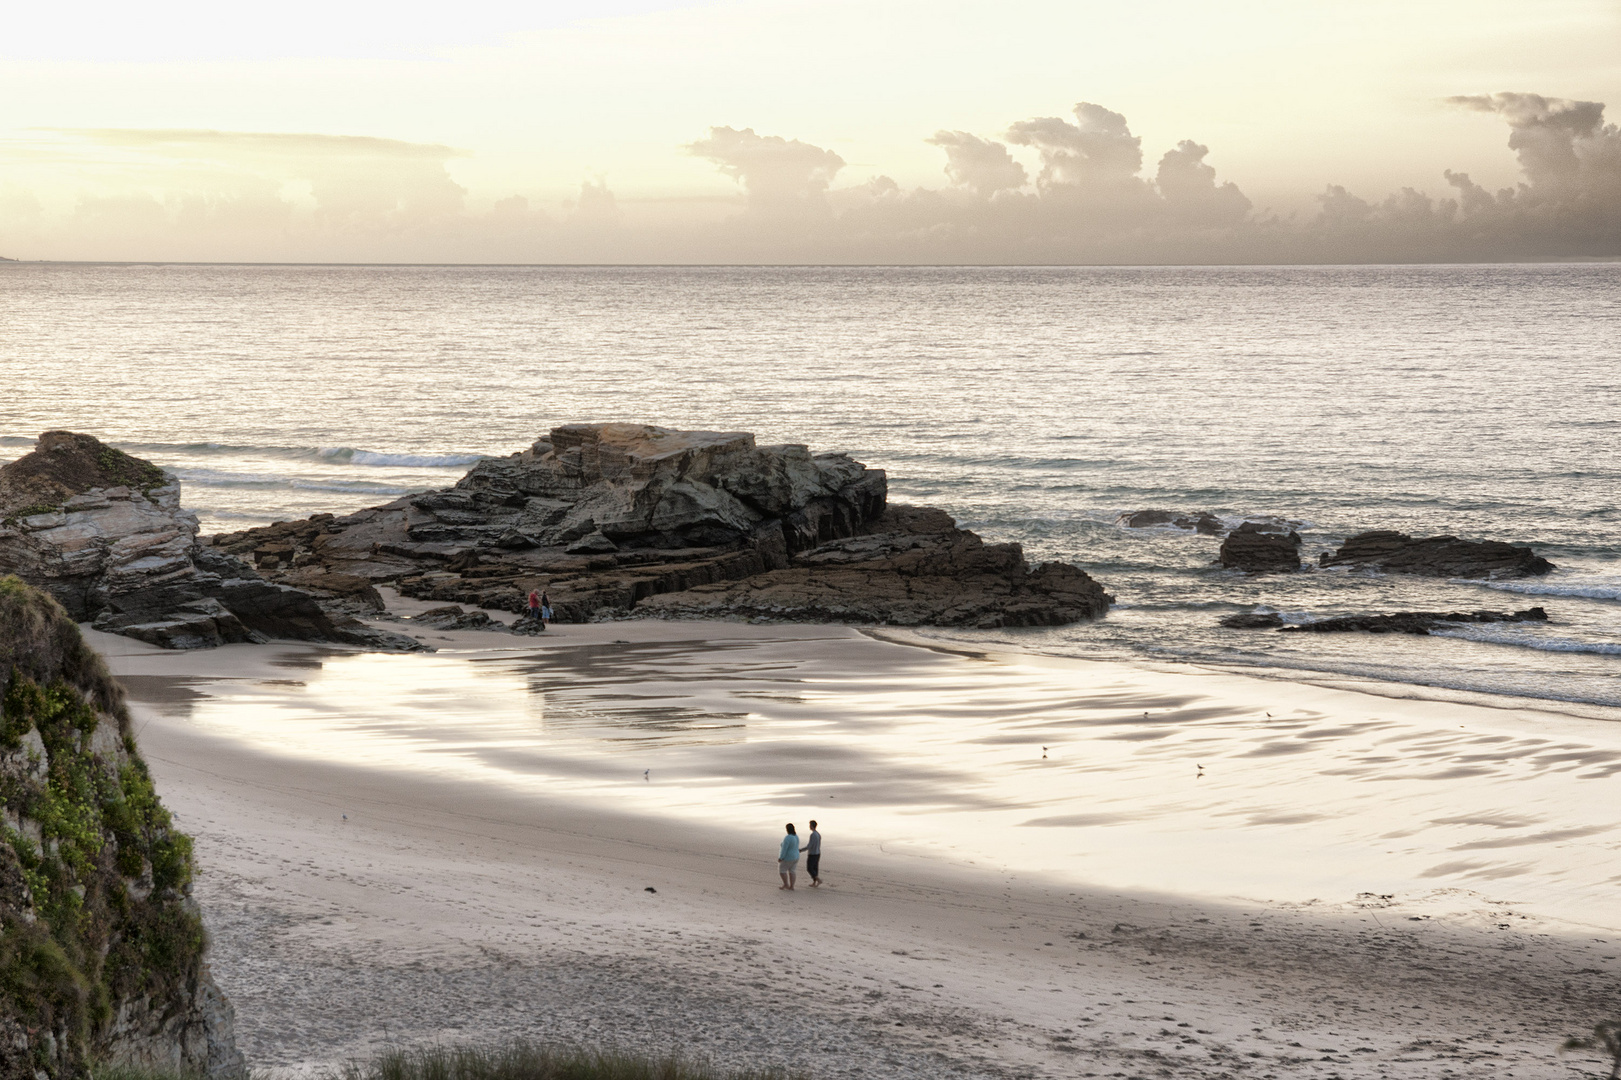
(466, 845)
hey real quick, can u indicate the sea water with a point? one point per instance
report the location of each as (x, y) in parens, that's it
(1035, 404)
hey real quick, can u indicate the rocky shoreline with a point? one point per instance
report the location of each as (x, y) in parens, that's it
(611, 521)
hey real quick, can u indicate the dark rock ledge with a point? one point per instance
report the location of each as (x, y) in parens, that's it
(1401, 622)
(1436, 556)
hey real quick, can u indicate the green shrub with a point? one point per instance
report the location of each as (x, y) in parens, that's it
(534, 1061)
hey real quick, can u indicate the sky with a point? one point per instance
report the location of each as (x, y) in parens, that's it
(1020, 131)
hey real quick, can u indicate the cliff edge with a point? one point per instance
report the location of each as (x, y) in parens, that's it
(102, 952)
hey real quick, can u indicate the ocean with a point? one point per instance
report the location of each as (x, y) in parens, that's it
(1035, 404)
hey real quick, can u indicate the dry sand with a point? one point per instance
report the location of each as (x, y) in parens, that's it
(463, 846)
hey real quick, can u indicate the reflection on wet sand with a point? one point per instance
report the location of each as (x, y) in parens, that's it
(1188, 782)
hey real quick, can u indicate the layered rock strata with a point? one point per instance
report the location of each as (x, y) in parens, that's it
(103, 958)
(1436, 556)
(104, 533)
(609, 517)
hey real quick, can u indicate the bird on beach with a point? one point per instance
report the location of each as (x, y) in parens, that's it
(1044, 752)
(647, 774)
(1200, 772)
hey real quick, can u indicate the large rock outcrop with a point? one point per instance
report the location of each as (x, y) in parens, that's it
(607, 517)
(104, 533)
(103, 957)
(1436, 556)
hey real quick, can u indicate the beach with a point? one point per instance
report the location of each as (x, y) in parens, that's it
(573, 836)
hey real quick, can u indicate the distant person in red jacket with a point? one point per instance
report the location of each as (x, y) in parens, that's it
(534, 604)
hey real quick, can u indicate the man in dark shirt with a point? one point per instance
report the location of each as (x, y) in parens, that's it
(813, 856)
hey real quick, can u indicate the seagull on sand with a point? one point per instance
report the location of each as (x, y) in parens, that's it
(1043, 751)
(647, 774)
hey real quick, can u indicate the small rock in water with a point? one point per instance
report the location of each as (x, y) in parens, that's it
(1416, 622)
(1436, 556)
(1257, 547)
(1252, 620)
(1206, 524)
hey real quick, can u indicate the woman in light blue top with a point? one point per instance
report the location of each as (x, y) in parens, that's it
(788, 857)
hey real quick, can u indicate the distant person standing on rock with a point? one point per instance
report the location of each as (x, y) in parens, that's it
(534, 604)
(813, 856)
(545, 609)
(788, 858)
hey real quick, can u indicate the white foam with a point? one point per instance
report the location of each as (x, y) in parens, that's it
(414, 461)
(216, 478)
(1590, 590)
(1529, 641)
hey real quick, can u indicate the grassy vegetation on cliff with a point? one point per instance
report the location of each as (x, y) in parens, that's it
(92, 873)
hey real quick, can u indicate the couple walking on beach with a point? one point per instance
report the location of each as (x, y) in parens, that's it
(540, 607)
(788, 857)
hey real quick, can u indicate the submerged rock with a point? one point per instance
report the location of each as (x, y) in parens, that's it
(1204, 523)
(1415, 622)
(1436, 556)
(622, 519)
(105, 956)
(1252, 620)
(1257, 548)
(104, 533)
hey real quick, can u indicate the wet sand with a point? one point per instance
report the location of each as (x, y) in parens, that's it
(461, 845)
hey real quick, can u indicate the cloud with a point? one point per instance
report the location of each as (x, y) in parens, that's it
(781, 176)
(1191, 193)
(1098, 151)
(980, 165)
(182, 194)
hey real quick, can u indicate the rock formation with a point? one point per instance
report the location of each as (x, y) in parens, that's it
(103, 532)
(1414, 622)
(102, 953)
(608, 517)
(910, 567)
(1206, 524)
(1257, 548)
(1436, 556)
